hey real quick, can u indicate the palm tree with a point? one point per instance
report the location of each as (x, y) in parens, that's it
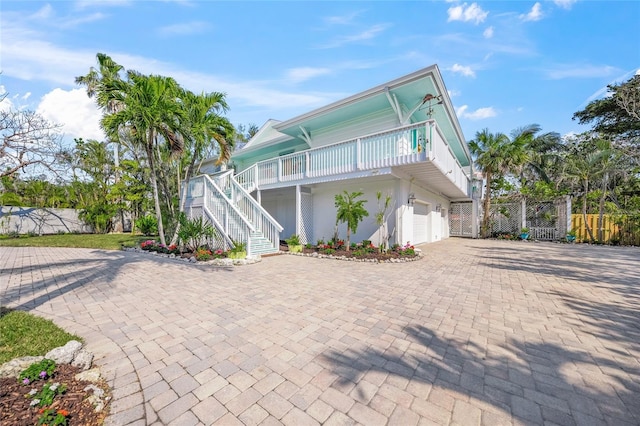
(543, 155)
(151, 111)
(497, 154)
(97, 81)
(206, 129)
(350, 212)
(588, 162)
(489, 150)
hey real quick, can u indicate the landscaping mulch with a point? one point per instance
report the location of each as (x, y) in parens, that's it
(16, 411)
(381, 257)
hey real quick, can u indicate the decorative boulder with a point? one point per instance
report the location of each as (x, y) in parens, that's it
(64, 354)
(16, 366)
(82, 359)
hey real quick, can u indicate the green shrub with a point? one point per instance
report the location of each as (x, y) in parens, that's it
(293, 240)
(37, 371)
(194, 233)
(148, 225)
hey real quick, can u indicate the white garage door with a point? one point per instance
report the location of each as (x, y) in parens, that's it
(420, 223)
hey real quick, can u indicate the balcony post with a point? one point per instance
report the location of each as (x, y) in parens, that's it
(358, 154)
(307, 164)
(279, 174)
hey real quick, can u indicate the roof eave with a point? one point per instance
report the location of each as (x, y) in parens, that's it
(296, 121)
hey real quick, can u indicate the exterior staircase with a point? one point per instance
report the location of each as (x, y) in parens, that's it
(235, 214)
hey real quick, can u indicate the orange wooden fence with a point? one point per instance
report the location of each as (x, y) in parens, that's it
(611, 231)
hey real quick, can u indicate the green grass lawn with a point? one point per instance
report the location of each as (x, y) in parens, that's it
(96, 241)
(23, 334)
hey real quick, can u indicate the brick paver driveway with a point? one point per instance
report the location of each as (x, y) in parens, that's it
(477, 332)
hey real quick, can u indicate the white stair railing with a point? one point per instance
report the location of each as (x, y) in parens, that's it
(235, 212)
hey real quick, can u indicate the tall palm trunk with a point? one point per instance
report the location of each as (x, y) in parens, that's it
(487, 206)
(154, 185)
(584, 209)
(605, 184)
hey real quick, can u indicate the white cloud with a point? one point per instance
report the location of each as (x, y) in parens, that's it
(464, 13)
(26, 96)
(535, 14)
(5, 101)
(45, 12)
(580, 71)
(488, 33)
(565, 4)
(74, 110)
(186, 28)
(453, 93)
(298, 75)
(479, 114)
(464, 70)
(342, 19)
(365, 35)
(83, 4)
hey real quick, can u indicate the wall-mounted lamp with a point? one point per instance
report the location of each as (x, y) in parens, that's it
(412, 199)
(438, 208)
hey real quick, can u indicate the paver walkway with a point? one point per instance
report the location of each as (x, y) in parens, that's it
(477, 332)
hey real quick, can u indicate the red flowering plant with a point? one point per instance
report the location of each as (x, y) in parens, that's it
(147, 245)
(405, 250)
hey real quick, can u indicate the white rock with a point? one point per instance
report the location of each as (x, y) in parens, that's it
(92, 375)
(16, 366)
(64, 354)
(82, 359)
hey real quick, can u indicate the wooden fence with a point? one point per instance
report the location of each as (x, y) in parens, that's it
(621, 231)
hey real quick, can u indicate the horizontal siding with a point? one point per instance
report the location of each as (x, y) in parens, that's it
(364, 125)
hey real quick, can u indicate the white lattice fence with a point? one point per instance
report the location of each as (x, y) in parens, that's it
(506, 218)
(306, 218)
(461, 220)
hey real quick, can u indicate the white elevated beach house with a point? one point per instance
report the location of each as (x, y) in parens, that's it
(401, 138)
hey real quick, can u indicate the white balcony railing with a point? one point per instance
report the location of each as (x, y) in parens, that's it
(405, 145)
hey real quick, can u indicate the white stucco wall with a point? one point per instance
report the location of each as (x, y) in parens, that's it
(281, 204)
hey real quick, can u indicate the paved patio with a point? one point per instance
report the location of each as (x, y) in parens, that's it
(477, 332)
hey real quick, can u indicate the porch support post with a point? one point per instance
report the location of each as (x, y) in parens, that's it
(524, 214)
(298, 210)
(568, 218)
(358, 154)
(475, 218)
(259, 196)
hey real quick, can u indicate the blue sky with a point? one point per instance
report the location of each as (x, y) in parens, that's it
(505, 63)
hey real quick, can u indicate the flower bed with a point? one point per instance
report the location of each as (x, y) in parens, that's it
(359, 252)
(49, 394)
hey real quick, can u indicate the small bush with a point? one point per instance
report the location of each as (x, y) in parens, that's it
(293, 240)
(37, 371)
(202, 254)
(148, 225)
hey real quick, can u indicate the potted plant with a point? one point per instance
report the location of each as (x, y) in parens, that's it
(524, 233)
(238, 251)
(293, 242)
(571, 236)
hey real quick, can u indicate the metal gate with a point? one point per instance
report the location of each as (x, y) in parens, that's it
(461, 220)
